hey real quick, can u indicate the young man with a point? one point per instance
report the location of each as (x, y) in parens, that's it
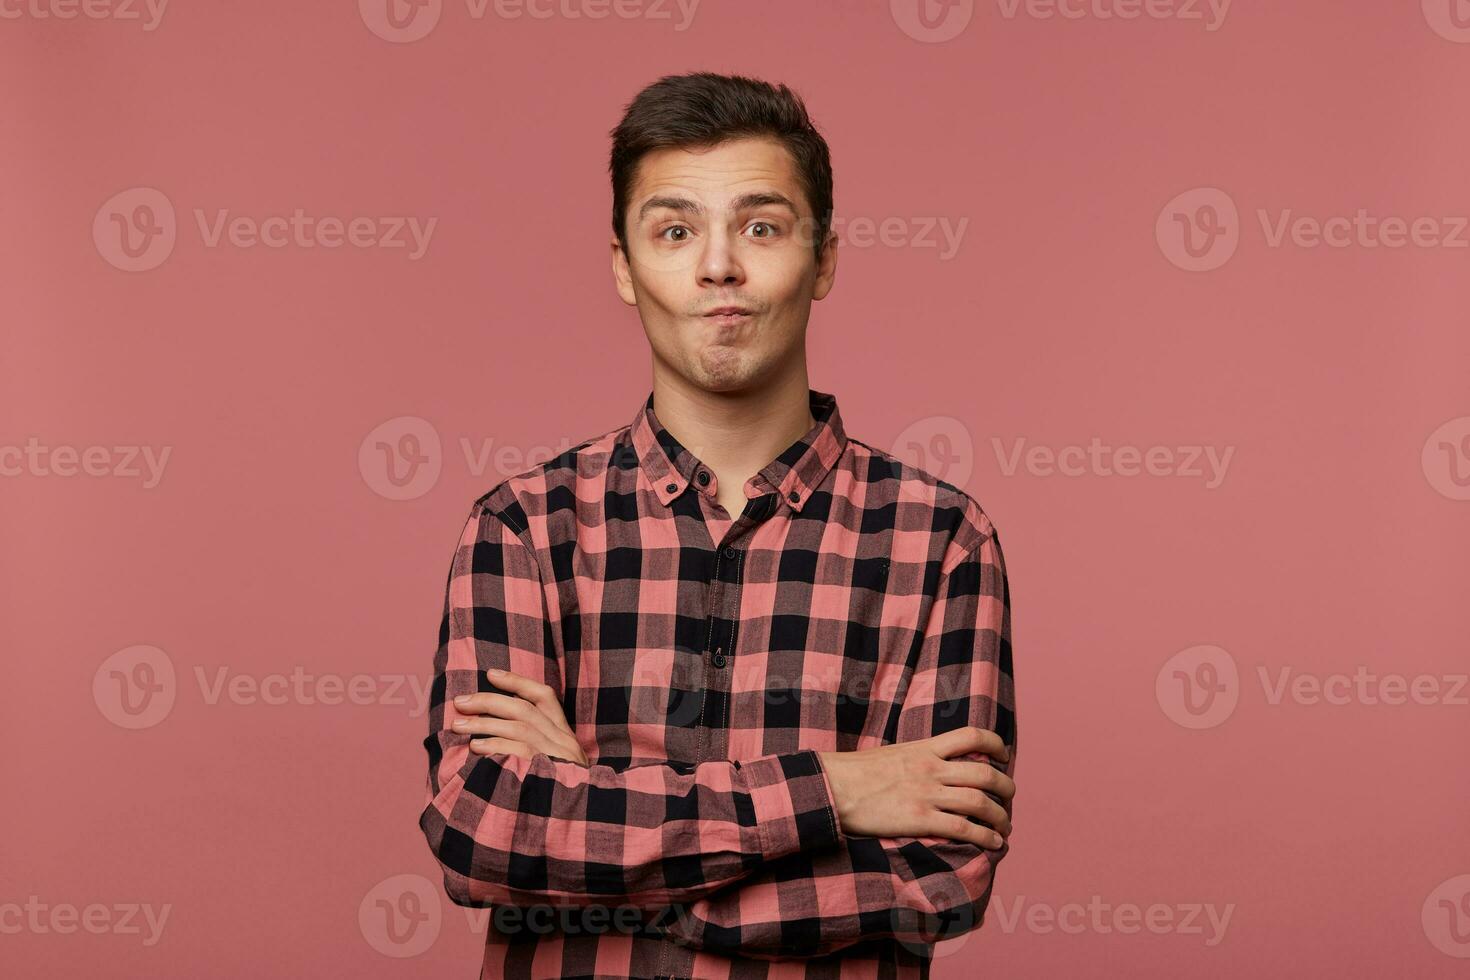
(723, 692)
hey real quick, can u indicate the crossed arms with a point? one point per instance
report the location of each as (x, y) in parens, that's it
(753, 857)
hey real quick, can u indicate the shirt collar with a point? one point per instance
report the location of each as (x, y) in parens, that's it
(794, 474)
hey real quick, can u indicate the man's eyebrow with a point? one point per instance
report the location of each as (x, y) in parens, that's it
(744, 202)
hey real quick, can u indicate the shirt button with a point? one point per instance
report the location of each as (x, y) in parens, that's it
(718, 660)
(729, 552)
(793, 496)
(703, 478)
(672, 487)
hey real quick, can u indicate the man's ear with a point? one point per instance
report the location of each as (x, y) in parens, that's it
(826, 267)
(622, 273)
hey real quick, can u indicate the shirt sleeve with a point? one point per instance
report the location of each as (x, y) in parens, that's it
(916, 890)
(513, 831)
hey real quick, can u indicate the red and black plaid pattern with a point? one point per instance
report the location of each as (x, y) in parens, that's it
(703, 659)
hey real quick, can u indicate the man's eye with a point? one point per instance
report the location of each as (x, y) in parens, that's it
(665, 232)
(762, 224)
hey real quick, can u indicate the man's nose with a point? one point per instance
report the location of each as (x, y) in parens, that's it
(718, 263)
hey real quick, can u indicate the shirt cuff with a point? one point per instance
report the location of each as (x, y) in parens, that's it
(792, 798)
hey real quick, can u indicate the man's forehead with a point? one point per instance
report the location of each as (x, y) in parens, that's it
(719, 176)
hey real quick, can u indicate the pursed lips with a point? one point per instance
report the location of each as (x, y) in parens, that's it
(725, 315)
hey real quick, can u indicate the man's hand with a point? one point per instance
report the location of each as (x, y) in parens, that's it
(525, 722)
(915, 789)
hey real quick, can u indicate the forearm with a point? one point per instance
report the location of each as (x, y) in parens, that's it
(513, 830)
(519, 831)
(917, 891)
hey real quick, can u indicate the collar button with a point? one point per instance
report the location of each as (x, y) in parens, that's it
(672, 487)
(703, 478)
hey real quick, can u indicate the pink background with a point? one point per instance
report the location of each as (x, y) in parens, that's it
(1336, 834)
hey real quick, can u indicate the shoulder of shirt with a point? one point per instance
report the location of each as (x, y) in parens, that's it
(550, 483)
(955, 509)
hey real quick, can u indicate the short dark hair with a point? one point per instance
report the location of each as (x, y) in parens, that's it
(702, 109)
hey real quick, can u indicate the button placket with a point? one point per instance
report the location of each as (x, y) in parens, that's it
(725, 573)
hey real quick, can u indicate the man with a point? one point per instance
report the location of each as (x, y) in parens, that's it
(723, 692)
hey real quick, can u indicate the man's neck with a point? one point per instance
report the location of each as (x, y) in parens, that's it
(735, 434)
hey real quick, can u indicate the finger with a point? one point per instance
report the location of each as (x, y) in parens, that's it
(529, 735)
(541, 695)
(516, 706)
(972, 738)
(533, 717)
(491, 703)
(958, 827)
(979, 774)
(500, 746)
(508, 727)
(508, 706)
(573, 755)
(966, 801)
